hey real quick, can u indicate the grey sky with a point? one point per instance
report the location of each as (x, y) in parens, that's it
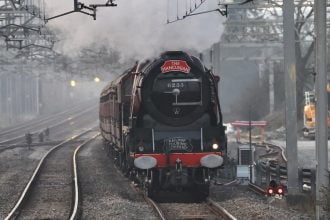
(136, 28)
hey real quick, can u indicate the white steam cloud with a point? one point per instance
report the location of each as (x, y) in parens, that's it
(136, 28)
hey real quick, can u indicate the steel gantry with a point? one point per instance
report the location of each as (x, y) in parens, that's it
(265, 31)
(25, 43)
(22, 26)
(268, 25)
(85, 9)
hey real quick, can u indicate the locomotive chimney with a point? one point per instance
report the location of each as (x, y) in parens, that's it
(201, 57)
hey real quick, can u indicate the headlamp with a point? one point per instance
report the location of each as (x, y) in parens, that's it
(215, 146)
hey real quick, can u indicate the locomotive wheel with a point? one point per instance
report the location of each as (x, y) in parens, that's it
(132, 175)
(117, 159)
(126, 168)
(148, 190)
(203, 191)
(123, 163)
(148, 187)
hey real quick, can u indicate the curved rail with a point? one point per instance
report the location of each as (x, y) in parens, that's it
(219, 210)
(281, 149)
(215, 208)
(28, 186)
(256, 189)
(75, 213)
(41, 120)
(274, 150)
(283, 154)
(53, 126)
(231, 182)
(151, 202)
(157, 209)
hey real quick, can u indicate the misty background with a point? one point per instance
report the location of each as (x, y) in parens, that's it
(247, 56)
(136, 29)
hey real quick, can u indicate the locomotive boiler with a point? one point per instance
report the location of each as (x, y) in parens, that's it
(162, 123)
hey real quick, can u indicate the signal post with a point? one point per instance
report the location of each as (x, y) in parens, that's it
(322, 174)
(290, 95)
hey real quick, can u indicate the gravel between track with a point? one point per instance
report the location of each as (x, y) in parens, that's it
(106, 194)
(17, 165)
(244, 204)
(188, 211)
(51, 194)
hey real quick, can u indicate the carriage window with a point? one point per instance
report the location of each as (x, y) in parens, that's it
(126, 112)
(104, 98)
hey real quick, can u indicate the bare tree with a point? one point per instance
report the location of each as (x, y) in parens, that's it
(262, 23)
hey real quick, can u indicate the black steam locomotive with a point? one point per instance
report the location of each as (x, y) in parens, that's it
(162, 123)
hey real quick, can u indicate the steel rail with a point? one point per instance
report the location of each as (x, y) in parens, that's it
(281, 149)
(231, 182)
(75, 214)
(38, 121)
(156, 208)
(219, 210)
(256, 189)
(148, 200)
(36, 172)
(7, 147)
(283, 154)
(53, 126)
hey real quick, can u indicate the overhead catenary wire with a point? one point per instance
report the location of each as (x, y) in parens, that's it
(185, 14)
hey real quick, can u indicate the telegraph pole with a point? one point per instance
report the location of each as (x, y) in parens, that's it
(321, 106)
(290, 95)
(250, 143)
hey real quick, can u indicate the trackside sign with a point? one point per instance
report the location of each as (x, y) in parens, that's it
(175, 66)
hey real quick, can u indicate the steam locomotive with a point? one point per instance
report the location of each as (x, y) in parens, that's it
(162, 123)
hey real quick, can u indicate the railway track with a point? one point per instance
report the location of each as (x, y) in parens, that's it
(77, 197)
(220, 210)
(208, 210)
(41, 122)
(10, 143)
(257, 189)
(50, 192)
(273, 152)
(8, 147)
